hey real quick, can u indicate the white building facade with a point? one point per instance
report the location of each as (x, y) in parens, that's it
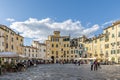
(41, 49)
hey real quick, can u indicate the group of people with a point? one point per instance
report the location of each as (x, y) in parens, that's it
(95, 65)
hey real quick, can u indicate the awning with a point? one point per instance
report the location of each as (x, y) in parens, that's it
(8, 55)
(11, 55)
(84, 58)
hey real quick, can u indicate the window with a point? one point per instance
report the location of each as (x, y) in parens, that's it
(44, 50)
(6, 37)
(75, 55)
(52, 45)
(118, 34)
(12, 39)
(76, 51)
(106, 46)
(64, 45)
(32, 50)
(56, 52)
(118, 43)
(29, 50)
(112, 51)
(21, 40)
(64, 52)
(113, 36)
(113, 44)
(12, 47)
(67, 45)
(101, 39)
(56, 45)
(118, 51)
(67, 52)
(6, 45)
(32, 55)
(36, 55)
(72, 52)
(112, 27)
(52, 52)
(16, 38)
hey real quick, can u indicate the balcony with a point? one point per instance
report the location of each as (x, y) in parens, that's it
(106, 40)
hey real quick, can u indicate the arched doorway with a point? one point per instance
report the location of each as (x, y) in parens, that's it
(52, 57)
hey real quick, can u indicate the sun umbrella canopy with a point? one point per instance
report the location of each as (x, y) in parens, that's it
(8, 54)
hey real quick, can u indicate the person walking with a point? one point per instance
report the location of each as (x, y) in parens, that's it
(92, 64)
(79, 62)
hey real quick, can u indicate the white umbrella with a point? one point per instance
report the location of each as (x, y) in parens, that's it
(8, 54)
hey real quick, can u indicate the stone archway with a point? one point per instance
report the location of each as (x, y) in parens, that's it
(52, 57)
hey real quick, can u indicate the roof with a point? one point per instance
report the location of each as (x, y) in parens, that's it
(113, 24)
(3, 26)
(30, 47)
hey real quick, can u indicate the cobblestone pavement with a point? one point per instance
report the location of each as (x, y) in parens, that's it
(65, 72)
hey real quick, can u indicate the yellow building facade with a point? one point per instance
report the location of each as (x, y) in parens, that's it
(106, 46)
(58, 47)
(112, 42)
(2, 40)
(13, 42)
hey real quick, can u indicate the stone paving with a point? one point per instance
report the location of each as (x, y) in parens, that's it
(65, 72)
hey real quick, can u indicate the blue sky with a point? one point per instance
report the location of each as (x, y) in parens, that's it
(41, 17)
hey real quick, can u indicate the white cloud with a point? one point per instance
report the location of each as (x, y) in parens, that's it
(89, 31)
(10, 19)
(108, 23)
(40, 29)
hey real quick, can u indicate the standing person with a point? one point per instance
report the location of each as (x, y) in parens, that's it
(95, 65)
(79, 62)
(99, 65)
(92, 64)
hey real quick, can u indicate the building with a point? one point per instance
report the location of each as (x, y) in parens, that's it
(88, 44)
(13, 42)
(41, 49)
(2, 40)
(31, 52)
(58, 47)
(77, 48)
(112, 42)
(106, 46)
